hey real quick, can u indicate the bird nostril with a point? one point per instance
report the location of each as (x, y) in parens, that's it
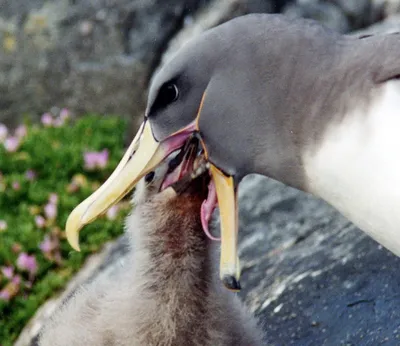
(149, 177)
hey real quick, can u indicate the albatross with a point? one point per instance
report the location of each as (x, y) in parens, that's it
(281, 97)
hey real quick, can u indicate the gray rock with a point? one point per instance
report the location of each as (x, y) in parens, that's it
(389, 7)
(388, 26)
(90, 56)
(311, 276)
(361, 13)
(327, 14)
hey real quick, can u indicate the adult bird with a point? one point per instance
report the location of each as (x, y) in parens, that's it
(285, 98)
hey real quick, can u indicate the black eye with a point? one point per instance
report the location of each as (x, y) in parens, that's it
(167, 94)
(149, 177)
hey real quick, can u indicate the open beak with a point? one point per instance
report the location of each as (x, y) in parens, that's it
(228, 206)
(142, 156)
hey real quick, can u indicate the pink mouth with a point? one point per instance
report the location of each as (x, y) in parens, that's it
(207, 209)
(208, 205)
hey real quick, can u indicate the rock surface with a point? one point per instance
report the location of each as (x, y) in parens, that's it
(90, 56)
(309, 275)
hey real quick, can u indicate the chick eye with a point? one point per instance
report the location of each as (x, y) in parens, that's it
(168, 93)
(149, 177)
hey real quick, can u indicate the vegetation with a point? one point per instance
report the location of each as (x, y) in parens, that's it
(45, 171)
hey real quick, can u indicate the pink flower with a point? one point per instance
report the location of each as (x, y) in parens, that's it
(112, 213)
(40, 221)
(11, 289)
(3, 225)
(58, 122)
(64, 114)
(30, 174)
(50, 247)
(16, 185)
(27, 263)
(46, 245)
(21, 131)
(11, 144)
(90, 160)
(102, 159)
(5, 295)
(16, 280)
(95, 159)
(49, 244)
(53, 198)
(47, 119)
(8, 272)
(3, 132)
(50, 211)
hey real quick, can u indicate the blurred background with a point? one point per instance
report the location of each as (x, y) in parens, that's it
(74, 76)
(99, 55)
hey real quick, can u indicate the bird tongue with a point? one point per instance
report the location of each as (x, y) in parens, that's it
(183, 168)
(207, 208)
(182, 173)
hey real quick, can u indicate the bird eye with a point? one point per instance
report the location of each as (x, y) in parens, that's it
(168, 93)
(149, 177)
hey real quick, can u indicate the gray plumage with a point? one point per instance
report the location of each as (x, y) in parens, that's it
(272, 86)
(293, 101)
(168, 293)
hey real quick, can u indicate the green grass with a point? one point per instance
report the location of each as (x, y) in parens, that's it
(55, 154)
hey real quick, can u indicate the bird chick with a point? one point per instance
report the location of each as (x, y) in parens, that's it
(169, 292)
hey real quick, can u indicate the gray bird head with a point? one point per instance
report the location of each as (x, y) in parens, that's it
(227, 88)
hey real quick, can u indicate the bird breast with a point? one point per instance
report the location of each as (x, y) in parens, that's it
(356, 167)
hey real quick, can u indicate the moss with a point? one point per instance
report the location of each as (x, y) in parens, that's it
(56, 156)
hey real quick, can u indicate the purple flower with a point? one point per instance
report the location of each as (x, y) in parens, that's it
(21, 131)
(112, 213)
(95, 159)
(8, 272)
(50, 247)
(64, 114)
(26, 262)
(90, 160)
(102, 158)
(5, 295)
(11, 289)
(40, 221)
(16, 185)
(58, 122)
(11, 144)
(46, 245)
(16, 280)
(30, 174)
(3, 132)
(53, 198)
(47, 119)
(3, 225)
(50, 211)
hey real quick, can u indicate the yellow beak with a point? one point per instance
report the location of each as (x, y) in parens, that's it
(142, 156)
(227, 201)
